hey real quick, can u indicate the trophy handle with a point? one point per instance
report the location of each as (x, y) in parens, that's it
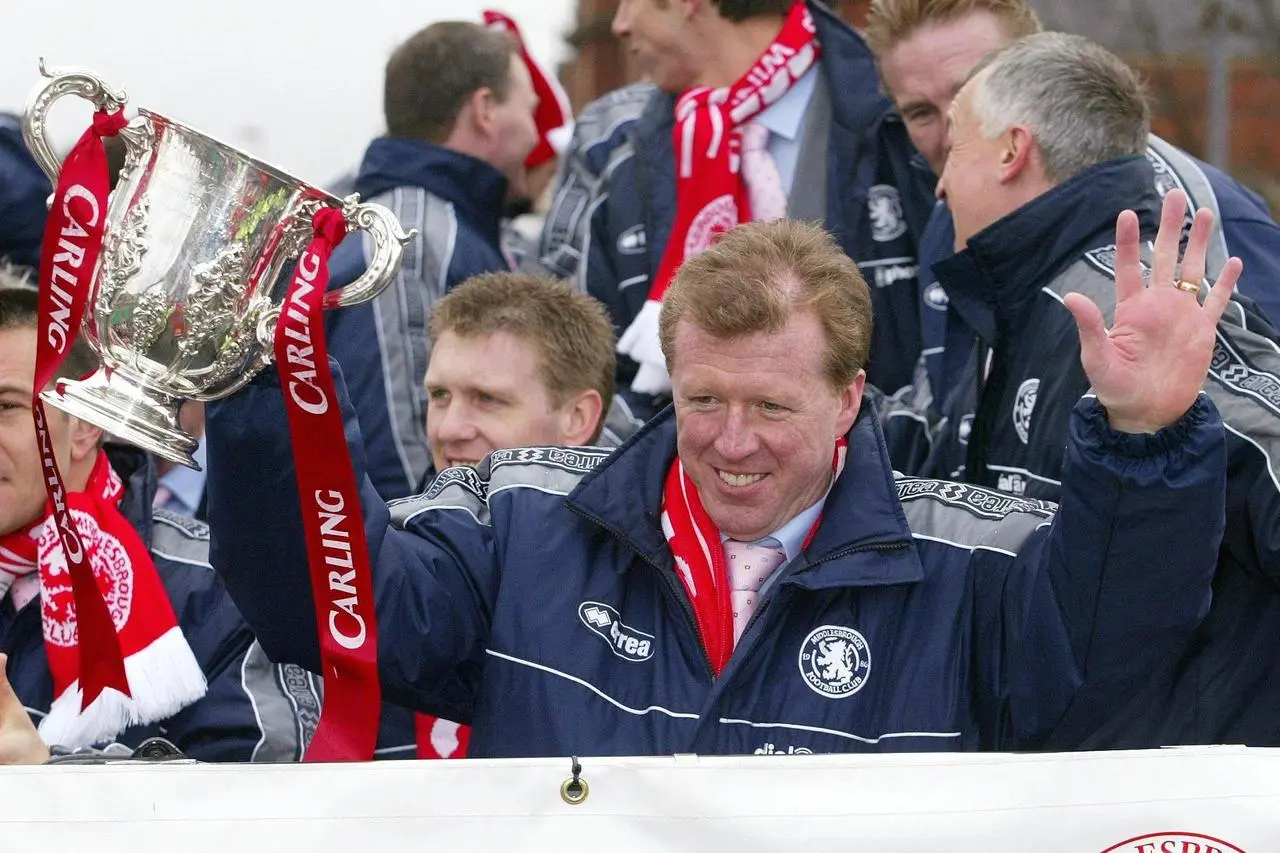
(69, 81)
(389, 240)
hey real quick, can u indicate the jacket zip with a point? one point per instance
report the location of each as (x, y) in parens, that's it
(686, 607)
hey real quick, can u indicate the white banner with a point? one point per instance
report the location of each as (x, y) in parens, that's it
(1203, 800)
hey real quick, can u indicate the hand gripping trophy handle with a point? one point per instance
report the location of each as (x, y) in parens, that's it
(185, 296)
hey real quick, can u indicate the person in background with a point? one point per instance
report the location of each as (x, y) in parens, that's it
(189, 655)
(459, 107)
(554, 119)
(809, 137)
(1047, 142)
(24, 196)
(925, 50)
(517, 360)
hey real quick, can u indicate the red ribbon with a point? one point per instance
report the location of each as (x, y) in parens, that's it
(334, 523)
(68, 260)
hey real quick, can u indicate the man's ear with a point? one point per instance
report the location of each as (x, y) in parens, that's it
(85, 440)
(479, 111)
(1015, 158)
(850, 403)
(580, 416)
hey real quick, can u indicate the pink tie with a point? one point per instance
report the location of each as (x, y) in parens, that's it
(749, 565)
(162, 497)
(760, 171)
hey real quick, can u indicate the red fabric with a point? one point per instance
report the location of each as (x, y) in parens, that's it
(710, 194)
(68, 258)
(432, 734)
(331, 513)
(694, 541)
(125, 576)
(553, 116)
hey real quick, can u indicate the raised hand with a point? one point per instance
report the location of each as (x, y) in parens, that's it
(1148, 369)
(20, 743)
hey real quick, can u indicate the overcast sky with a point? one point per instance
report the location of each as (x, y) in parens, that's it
(294, 82)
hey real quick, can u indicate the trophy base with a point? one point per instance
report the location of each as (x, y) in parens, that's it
(126, 411)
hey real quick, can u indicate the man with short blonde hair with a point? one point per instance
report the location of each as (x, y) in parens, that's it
(747, 574)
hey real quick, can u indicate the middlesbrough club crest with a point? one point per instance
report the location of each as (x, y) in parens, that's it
(835, 661)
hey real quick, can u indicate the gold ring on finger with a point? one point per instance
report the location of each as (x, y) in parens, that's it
(1187, 286)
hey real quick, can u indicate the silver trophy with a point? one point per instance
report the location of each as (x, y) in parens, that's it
(186, 295)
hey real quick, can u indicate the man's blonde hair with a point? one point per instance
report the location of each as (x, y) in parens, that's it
(570, 331)
(890, 21)
(757, 275)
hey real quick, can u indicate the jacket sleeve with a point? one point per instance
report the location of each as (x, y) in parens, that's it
(1255, 240)
(1116, 584)
(255, 710)
(909, 423)
(433, 590)
(564, 231)
(24, 188)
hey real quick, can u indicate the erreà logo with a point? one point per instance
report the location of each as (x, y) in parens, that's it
(627, 643)
(1174, 842)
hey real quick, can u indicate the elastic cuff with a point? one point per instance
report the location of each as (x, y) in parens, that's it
(1098, 433)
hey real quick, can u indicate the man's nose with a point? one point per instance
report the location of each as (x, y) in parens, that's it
(737, 438)
(454, 422)
(621, 25)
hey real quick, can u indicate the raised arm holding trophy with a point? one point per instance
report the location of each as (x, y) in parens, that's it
(174, 280)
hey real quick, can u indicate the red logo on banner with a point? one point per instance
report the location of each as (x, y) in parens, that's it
(1174, 842)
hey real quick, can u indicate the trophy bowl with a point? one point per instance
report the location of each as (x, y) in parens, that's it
(185, 297)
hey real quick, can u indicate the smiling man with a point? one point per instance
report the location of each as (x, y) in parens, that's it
(747, 570)
(517, 360)
(210, 689)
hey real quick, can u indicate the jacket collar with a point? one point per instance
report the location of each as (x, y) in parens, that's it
(1009, 261)
(862, 513)
(475, 188)
(138, 470)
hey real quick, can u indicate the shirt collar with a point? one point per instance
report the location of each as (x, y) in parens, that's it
(187, 484)
(785, 116)
(791, 535)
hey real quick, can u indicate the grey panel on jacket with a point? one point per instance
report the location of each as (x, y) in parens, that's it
(556, 470)
(970, 516)
(401, 313)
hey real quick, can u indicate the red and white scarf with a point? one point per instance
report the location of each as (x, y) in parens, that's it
(554, 116)
(710, 195)
(164, 676)
(695, 544)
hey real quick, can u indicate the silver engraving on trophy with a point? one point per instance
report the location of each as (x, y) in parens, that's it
(184, 300)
